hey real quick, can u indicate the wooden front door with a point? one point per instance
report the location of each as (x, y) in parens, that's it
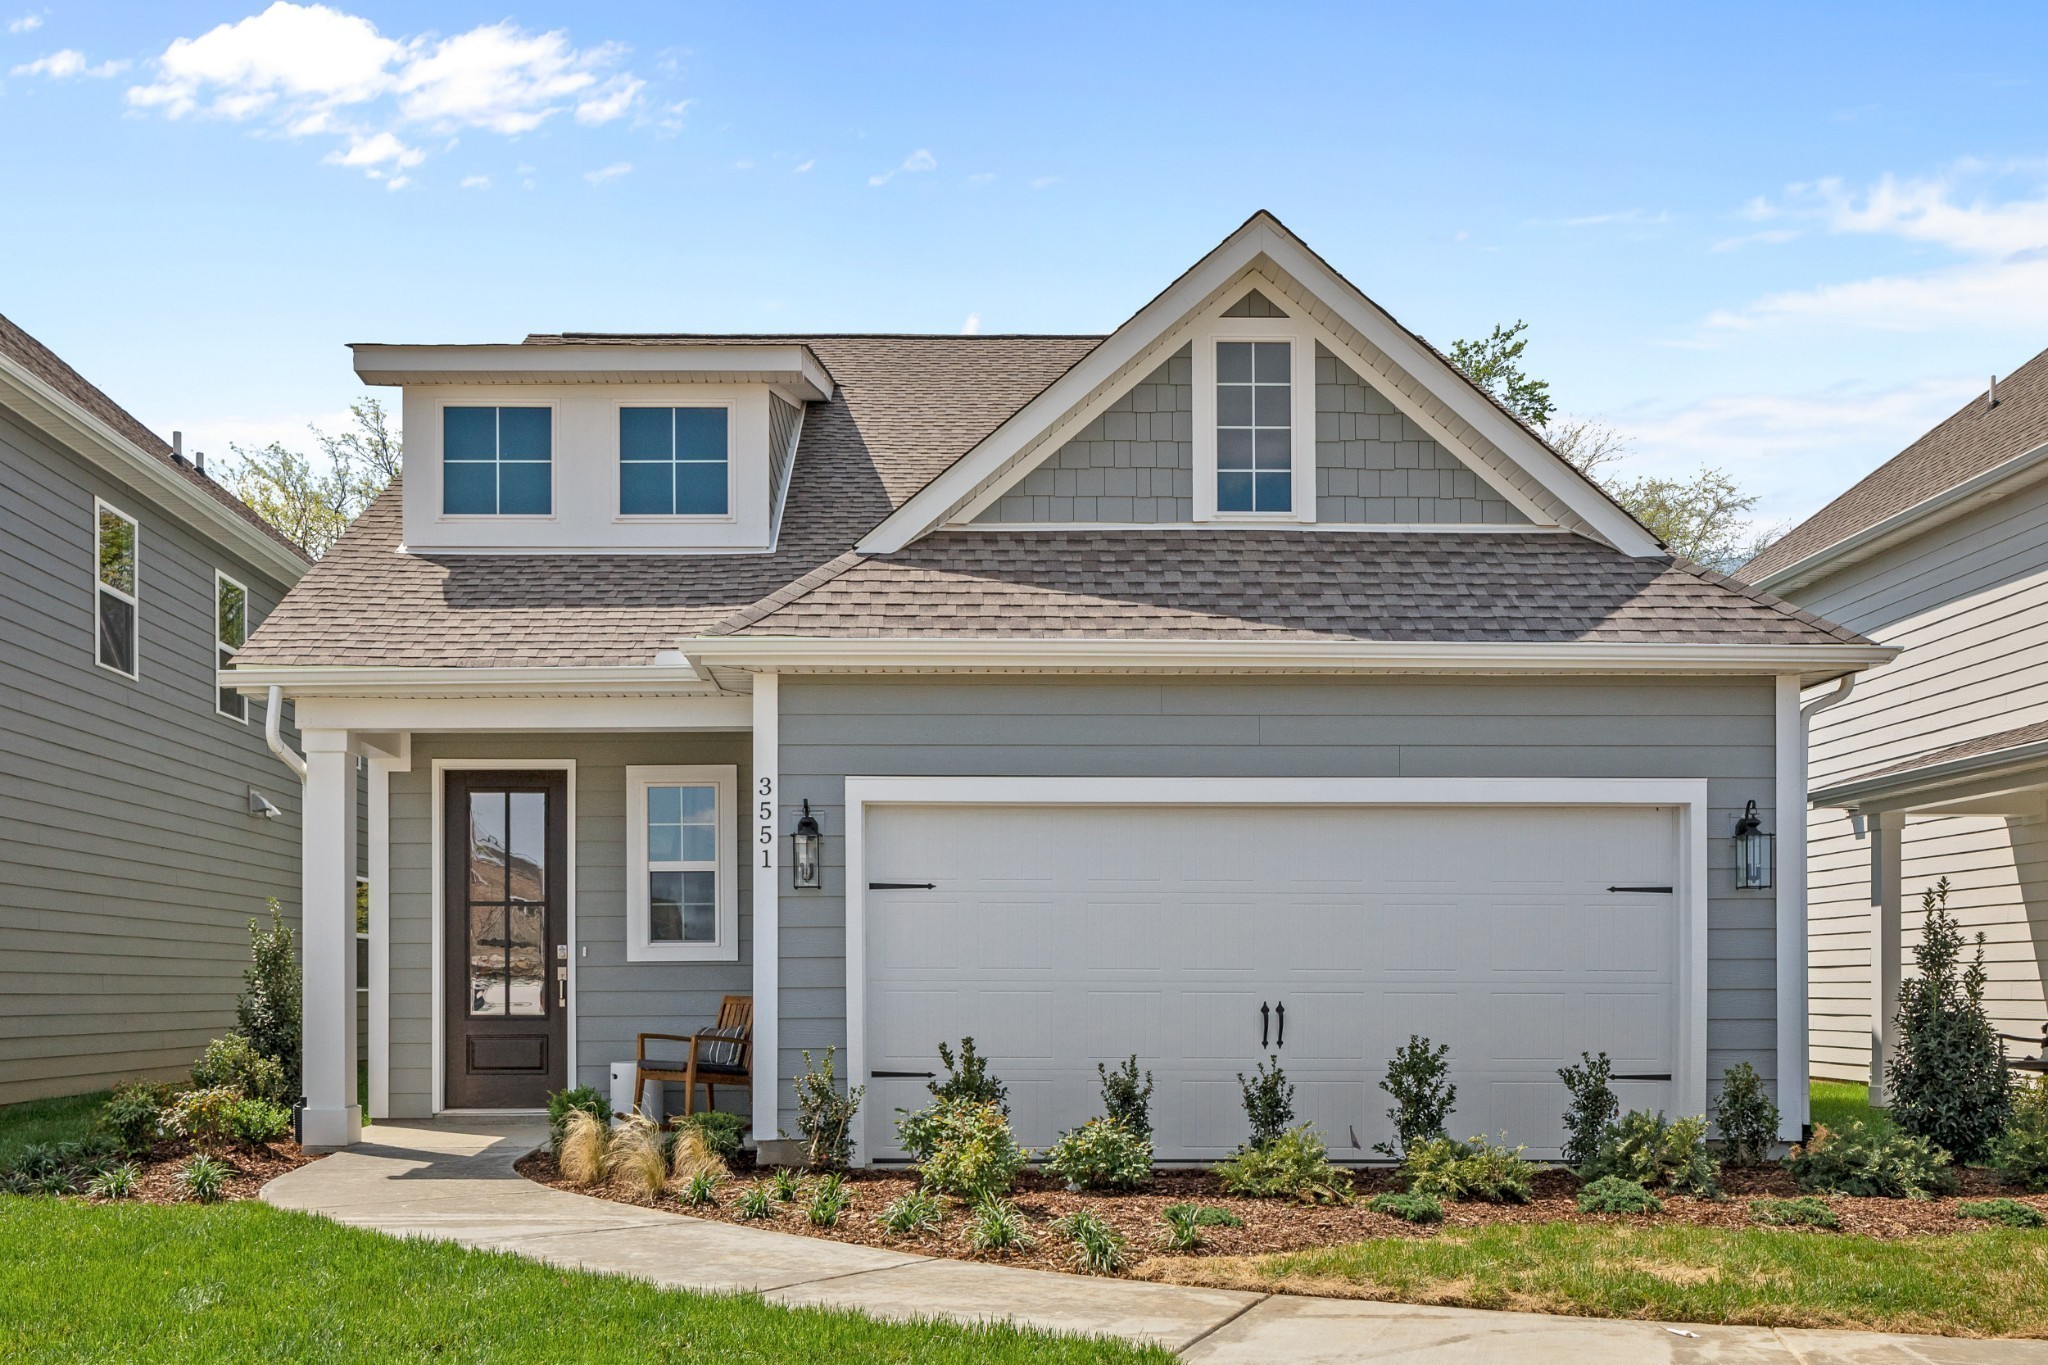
(505, 938)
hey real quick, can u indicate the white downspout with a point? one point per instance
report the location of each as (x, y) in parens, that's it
(273, 717)
(1844, 685)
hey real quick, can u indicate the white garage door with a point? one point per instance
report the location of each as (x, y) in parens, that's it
(1058, 937)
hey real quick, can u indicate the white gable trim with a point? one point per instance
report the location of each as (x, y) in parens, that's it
(1337, 306)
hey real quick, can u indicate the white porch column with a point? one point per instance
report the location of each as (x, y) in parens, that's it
(1887, 929)
(1790, 817)
(327, 940)
(765, 857)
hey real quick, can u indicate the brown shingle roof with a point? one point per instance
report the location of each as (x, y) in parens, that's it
(47, 366)
(1281, 584)
(1975, 439)
(2023, 741)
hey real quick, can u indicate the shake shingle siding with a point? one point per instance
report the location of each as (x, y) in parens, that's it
(1375, 465)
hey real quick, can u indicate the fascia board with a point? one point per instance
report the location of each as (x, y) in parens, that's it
(86, 435)
(351, 681)
(1924, 515)
(793, 367)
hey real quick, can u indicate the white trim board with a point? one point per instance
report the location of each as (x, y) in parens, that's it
(437, 1100)
(1687, 796)
(381, 767)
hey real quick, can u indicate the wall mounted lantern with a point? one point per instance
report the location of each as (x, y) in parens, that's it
(1752, 852)
(806, 850)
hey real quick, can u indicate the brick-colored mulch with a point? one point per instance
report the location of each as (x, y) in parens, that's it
(1271, 1225)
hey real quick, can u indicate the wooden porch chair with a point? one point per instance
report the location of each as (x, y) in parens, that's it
(720, 1055)
(2036, 1065)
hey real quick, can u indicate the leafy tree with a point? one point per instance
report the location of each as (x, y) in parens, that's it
(267, 1014)
(1948, 1080)
(312, 502)
(1494, 363)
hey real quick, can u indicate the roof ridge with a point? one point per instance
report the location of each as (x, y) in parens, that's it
(788, 593)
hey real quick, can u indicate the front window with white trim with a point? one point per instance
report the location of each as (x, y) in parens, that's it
(682, 902)
(115, 592)
(1254, 426)
(230, 629)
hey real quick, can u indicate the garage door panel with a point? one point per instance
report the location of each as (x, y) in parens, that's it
(1124, 936)
(1325, 1026)
(1630, 1027)
(1010, 932)
(1119, 1024)
(906, 1034)
(1417, 935)
(1325, 934)
(1210, 1119)
(1231, 938)
(1527, 1026)
(1218, 1026)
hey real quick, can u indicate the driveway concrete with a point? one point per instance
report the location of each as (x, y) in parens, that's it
(452, 1180)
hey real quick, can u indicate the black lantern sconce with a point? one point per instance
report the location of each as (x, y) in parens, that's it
(806, 853)
(1752, 852)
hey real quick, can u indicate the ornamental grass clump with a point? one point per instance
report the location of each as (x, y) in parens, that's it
(1184, 1224)
(786, 1185)
(700, 1191)
(1612, 1194)
(1446, 1169)
(204, 1179)
(755, 1202)
(115, 1182)
(1657, 1153)
(723, 1134)
(963, 1147)
(1099, 1249)
(828, 1201)
(1419, 1079)
(914, 1214)
(1807, 1211)
(1746, 1117)
(581, 1152)
(1294, 1165)
(692, 1156)
(563, 1103)
(997, 1225)
(1871, 1162)
(1101, 1154)
(633, 1158)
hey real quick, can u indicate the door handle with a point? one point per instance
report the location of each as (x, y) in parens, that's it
(1265, 1020)
(1281, 1012)
(562, 987)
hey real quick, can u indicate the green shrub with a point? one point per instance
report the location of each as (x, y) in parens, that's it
(963, 1147)
(204, 1179)
(1807, 1211)
(914, 1214)
(205, 1117)
(1447, 1169)
(1268, 1101)
(1409, 1208)
(1612, 1194)
(969, 1079)
(824, 1116)
(1184, 1224)
(725, 1134)
(1746, 1117)
(134, 1113)
(828, 1201)
(268, 1012)
(785, 1185)
(701, 1191)
(996, 1225)
(564, 1102)
(1870, 1161)
(115, 1182)
(252, 1122)
(755, 1202)
(1419, 1079)
(1126, 1098)
(1099, 1249)
(1592, 1109)
(2020, 1155)
(1656, 1153)
(1947, 1079)
(2010, 1212)
(232, 1062)
(1294, 1165)
(1101, 1154)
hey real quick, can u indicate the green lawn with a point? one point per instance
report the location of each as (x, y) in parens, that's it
(1979, 1283)
(59, 1120)
(246, 1282)
(1836, 1102)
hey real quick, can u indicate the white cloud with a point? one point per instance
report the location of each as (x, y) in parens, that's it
(375, 150)
(611, 172)
(66, 63)
(27, 23)
(919, 160)
(1997, 274)
(476, 182)
(971, 327)
(1768, 237)
(980, 178)
(1045, 182)
(805, 166)
(315, 70)
(1627, 217)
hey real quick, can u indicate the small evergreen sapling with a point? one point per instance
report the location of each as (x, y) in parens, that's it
(968, 1079)
(1419, 1079)
(1948, 1079)
(1125, 1098)
(1268, 1101)
(824, 1115)
(1746, 1117)
(1593, 1108)
(268, 1012)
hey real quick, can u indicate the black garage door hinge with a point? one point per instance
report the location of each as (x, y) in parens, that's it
(1647, 890)
(903, 886)
(901, 1075)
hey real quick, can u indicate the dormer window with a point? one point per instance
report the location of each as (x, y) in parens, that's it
(675, 462)
(1254, 426)
(497, 461)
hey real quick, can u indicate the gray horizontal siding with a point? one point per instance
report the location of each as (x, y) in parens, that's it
(1720, 730)
(615, 999)
(129, 865)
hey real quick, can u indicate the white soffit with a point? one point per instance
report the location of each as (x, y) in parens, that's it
(1387, 355)
(790, 367)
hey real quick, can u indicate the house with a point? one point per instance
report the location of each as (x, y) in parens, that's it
(1242, 684)
(1936, 766)
(143, 821)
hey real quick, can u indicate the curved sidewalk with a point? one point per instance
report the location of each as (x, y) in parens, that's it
(452, 1180)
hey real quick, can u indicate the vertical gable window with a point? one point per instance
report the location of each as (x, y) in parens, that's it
(230, 628)
(682, 840)
(114, 596)
(497, 461)
(1254, 427)
(673, 462)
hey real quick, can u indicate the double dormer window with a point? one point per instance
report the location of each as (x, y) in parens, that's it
(497, 462)
(675, 462)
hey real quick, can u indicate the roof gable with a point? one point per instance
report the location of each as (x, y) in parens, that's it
(1264, 257)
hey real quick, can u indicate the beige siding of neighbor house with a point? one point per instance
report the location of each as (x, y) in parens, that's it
(1968, 602)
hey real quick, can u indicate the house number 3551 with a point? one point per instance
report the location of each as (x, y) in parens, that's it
(766, 835)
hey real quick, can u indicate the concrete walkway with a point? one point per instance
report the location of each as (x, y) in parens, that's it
(453, 1181)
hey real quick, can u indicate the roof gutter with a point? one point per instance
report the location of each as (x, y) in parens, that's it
(1943, 506)
(32, 396)
(347, 680)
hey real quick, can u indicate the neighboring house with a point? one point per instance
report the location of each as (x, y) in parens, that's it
(1937, 766)
(1244, 683)
(133, 852)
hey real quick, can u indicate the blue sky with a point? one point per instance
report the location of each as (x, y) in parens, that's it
(1779, 242)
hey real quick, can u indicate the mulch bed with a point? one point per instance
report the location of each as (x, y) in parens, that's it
(1272, 1225)
(253, 1169)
